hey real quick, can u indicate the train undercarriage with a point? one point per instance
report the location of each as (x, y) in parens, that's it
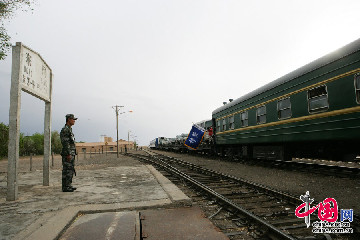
(331, 150)
(336, 151)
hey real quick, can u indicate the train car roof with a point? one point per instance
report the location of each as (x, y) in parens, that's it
(331, 57)
(207, 120)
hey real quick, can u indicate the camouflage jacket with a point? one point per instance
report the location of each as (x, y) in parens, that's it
(67, 141)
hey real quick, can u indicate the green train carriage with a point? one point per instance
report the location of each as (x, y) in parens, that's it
(313, 111)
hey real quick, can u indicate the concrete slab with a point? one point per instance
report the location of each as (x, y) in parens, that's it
(109, 226)
(156, 224)
(179, 223)
(43, 212)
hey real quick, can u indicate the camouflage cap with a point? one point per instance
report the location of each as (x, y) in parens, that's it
(70, 116)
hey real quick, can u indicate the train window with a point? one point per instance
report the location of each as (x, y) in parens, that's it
(357, 87)
(224, 125)
(218, 126)
(261, 115)
(244, 116)
(284, 108)
(318, 99)
(231, 122)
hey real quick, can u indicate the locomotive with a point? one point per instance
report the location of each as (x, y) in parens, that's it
(311, 112)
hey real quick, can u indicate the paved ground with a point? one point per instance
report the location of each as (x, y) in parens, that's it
(156, 224)
(104, 183)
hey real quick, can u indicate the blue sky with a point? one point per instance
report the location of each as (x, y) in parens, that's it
(170, 62)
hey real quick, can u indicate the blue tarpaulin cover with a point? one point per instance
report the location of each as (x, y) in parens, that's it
(195, 137)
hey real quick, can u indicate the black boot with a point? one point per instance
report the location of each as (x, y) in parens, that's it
(68, 190)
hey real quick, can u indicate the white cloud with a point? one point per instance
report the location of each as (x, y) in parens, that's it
(171, 62)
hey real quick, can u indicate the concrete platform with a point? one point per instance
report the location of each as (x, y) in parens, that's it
(180, 223)
(157, 224)
(109, 226)
(43, 212)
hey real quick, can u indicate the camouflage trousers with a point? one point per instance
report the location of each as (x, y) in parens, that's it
(67, 171)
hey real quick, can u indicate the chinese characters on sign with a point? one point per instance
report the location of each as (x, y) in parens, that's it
(35, 75)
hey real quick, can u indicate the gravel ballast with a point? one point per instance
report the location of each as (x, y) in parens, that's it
(346, 191)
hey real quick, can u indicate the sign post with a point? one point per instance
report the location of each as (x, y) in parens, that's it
(31, 74)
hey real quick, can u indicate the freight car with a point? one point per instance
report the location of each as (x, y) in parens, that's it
(158, 143)
(153, 143)
(313, 111)
(177, 144)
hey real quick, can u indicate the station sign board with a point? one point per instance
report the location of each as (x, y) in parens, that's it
(34, 74)
(31, 74)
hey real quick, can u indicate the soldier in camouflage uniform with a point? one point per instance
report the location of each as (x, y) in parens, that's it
(68, 153)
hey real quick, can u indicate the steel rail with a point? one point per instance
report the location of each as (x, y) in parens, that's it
(327, 167)
(271, 191)
(274, 192)
(278, 233)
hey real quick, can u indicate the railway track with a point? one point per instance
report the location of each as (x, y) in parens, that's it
(262, 211)
(327, 169)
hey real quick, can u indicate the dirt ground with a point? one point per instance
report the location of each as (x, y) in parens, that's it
(81, 162)
(103, 182)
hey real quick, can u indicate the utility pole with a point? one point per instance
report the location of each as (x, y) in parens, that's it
(117, 108)
(129, 137)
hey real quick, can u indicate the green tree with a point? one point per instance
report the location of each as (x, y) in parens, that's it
(38, 139)
(7, 10)
(4, 140)
(27, 145)
(21, 144)
(56, 142)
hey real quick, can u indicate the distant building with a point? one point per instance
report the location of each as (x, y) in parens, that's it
(104, 138)
(101, 147)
